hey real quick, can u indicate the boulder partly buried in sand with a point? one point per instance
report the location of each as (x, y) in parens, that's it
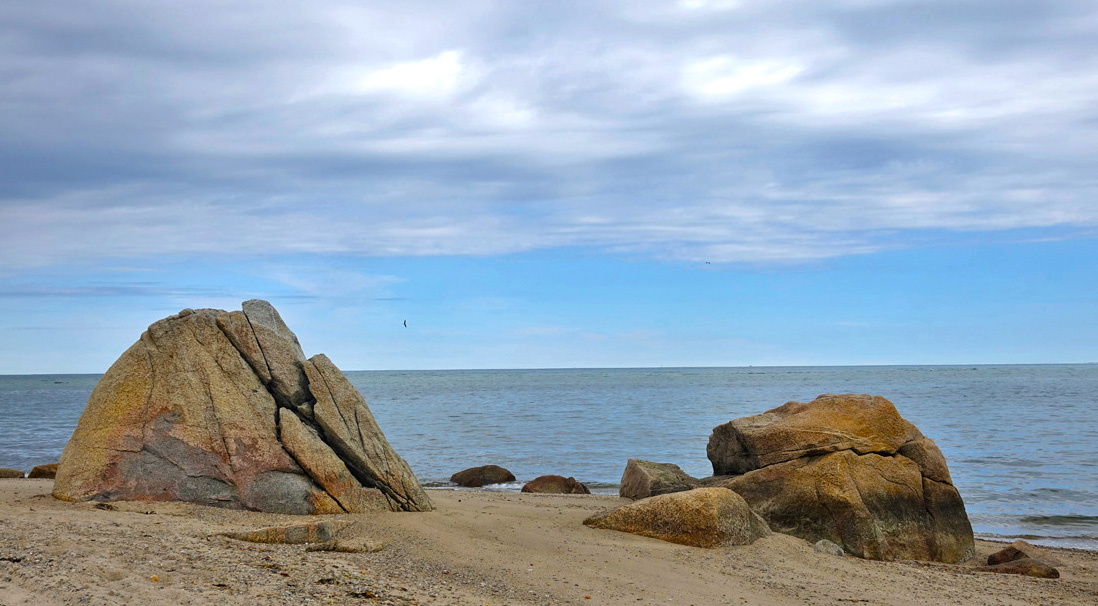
(43, 472)
(849, 469)
(475, 477)
(642, 479)
(552, 484)
(8, 473)
(1013, 560)
(703, 517)
(222, 409)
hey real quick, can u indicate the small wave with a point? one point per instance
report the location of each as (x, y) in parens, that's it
(1061, 520)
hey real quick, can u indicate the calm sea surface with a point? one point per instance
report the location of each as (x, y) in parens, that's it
(1021, 441)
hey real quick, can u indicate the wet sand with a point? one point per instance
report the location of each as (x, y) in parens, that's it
(477, 548)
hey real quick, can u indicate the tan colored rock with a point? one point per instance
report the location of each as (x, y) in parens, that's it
(44, 472)
(8, 473)
(325, 467)
(553, 484)
(703, 517)
(642, 479)
(931, 462)
(876, 507)
(350, 429)
(1025, 567)
(830, 423)
(181, 416)
(348, 546)
(313, 532)
(475, 477)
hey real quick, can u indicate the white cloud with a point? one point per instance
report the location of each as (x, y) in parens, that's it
(435, 78)
(725, 77)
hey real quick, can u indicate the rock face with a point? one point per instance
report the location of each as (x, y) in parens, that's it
(555, 485)
(8, 473)
(475, 477)
(850, 469)
(643, 479)
(703, 517)
(43, 472)
(222, 408)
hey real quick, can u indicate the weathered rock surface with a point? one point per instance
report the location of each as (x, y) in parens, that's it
(8, 473)
(849, 469)
(703, 517)
(475, 477)
(45, 472)
(552, 484)
(642, 479)
(216, 408)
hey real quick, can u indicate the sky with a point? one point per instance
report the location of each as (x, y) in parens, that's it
(565, 184)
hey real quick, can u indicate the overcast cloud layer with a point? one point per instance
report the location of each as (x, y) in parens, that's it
(717, 130)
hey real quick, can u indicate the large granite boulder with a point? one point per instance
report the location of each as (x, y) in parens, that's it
(703, 517)
(223, 409)
(850, 469)
(642, 479)
(476, 477)
(8, 473)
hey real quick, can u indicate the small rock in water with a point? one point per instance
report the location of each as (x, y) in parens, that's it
(829, 548)
(475, 477)
(555, 485)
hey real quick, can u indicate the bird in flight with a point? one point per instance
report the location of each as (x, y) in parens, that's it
(406, 324)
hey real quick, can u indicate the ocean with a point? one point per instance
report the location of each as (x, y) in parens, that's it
(1020, 440)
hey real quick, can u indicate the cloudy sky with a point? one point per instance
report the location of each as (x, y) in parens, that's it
(597, 183)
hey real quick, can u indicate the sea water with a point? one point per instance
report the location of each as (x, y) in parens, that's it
(1020, 440)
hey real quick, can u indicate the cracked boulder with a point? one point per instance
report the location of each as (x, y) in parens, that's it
(849, 469)
(219, 408)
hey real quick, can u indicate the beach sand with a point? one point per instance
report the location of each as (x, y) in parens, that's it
(477, 548)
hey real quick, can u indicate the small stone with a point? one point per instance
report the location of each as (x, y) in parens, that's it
(829, 547)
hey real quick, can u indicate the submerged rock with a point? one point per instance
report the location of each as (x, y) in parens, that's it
(849, 469)
(552, 484)
(475, 477)
(703, 517)
(217, 408)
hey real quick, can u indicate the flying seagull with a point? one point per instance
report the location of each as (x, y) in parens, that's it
(406, 324)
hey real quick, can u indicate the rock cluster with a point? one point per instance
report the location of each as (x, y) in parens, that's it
(847, 468)
(1017, 559)
(222, 408)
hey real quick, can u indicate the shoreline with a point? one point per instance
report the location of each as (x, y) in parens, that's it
(478, 547)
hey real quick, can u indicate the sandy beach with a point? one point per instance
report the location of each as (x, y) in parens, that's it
(477, 548)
